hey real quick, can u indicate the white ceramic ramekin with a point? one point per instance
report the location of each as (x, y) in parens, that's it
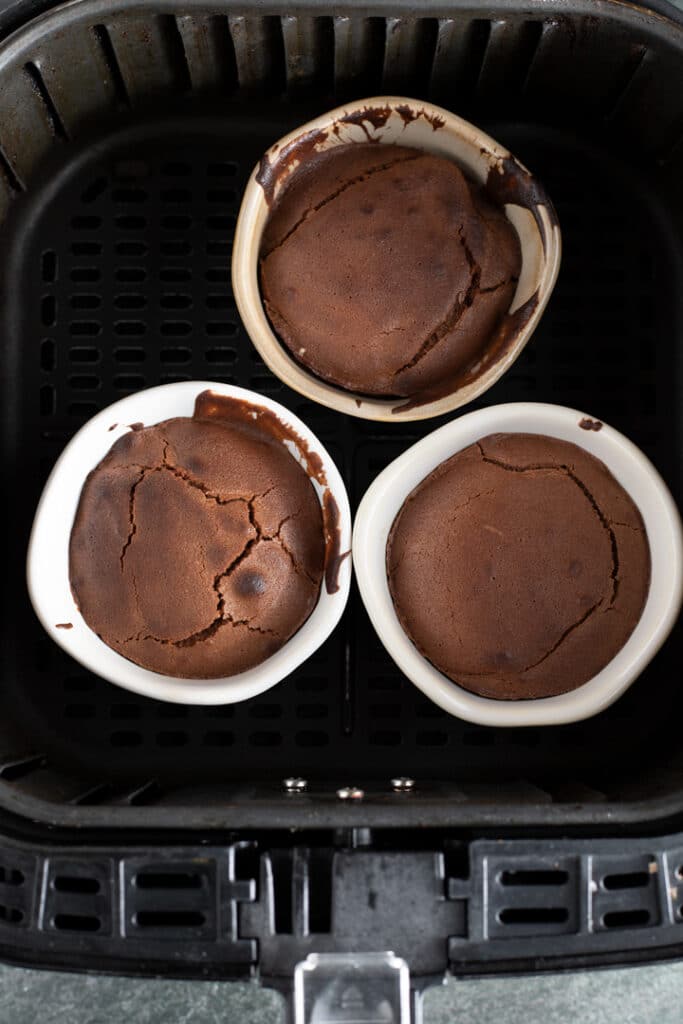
(386, 120)
(47, 567)
(634, 472)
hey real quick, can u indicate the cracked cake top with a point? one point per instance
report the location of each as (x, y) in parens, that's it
(198, 546)
(519, 567)
(384, 270)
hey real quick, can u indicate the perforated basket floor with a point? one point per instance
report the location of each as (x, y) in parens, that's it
(119, 273)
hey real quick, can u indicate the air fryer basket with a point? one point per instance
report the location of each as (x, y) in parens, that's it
(127, 131)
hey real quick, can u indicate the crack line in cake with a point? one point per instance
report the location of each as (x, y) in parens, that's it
(459, 508)
(132, 525)
(222, 618)
(454, 314)
(358, 180)
(570, 629)
(561, 468)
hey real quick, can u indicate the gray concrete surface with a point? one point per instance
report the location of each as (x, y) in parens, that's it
(637, 995)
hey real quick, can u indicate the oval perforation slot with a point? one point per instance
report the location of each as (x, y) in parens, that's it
(176, 247)
(126, 738)
(220, 301)
(53, 116)
(172, 738)
(432, 738)
(385, 710)
(310, 712)
(175, 195)
(626, 918)
(80, 711)
(175, 355)
(130, 301)
(85, 275)
(86, 222)
(82, 410)
(11, 915)
(627, 880)
(75, 884)
(85, 328)
(130, 222)
(218, 247)
(225, 196)
(311, 685)
(220, 355)
(176, 222)
(84, 354)
(130, 355)
(76, 922)
(48, 266)
(175, 275)
(176, 301)
(385, 738)
(265, 383)
(130, 328)
(48, 310)
(127, 712)
(130, 248)
(175, 169)
(85, 300)
(47, 355)
(168, 880)
(131, 275)
(265, 738)
(384, 683)
(86, 249)
(533, 915)
(218, 738)
(169, 919)
(538, 876)
(11, 876)
(94, 190)
(265, 711)
(129, 194)
(176, 328)
(84, 383)
(223, 169)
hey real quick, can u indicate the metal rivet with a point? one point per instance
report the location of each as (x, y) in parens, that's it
(294, 785)
(403, 784)
(350, 793)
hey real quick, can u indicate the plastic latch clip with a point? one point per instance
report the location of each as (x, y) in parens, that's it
(352, 988)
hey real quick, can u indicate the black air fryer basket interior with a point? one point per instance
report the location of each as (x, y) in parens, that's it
(127, 132)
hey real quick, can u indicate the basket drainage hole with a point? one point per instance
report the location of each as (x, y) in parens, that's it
(76, 923)
(626, 918)
(11, 915)
(48, 309)
(47, 355)
(168, 880)
(169, 919)
(175, 168)
(630, 880)
(70, 883)
(534, 877)
(534, 915)
(94, 190)
(221, 170)
(49, 266)
(11, 876)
